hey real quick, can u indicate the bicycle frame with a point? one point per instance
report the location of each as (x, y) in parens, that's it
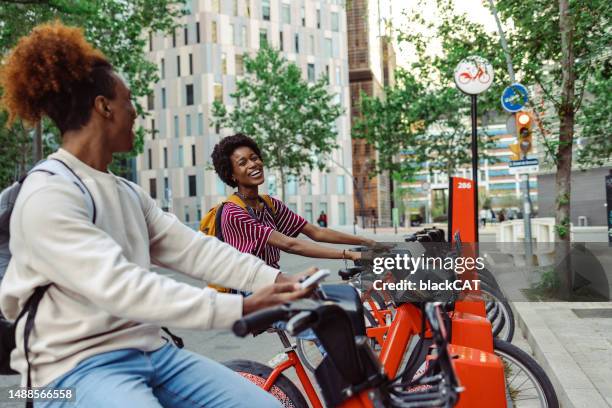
(293, 361)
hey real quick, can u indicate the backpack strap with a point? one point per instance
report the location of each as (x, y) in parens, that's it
(58, 167)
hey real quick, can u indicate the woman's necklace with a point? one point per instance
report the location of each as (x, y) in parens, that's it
(246, 201)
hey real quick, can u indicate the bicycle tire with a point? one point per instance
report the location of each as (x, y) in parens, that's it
(509, 351)
(507, 315)
(285, 391)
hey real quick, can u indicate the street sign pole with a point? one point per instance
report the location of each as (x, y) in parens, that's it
(474, 112)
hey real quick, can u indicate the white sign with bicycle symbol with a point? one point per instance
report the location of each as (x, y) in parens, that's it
(474, 75)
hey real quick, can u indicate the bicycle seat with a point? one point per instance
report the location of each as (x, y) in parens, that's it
(348, 299)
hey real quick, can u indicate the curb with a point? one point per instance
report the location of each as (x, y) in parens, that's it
(573, 387)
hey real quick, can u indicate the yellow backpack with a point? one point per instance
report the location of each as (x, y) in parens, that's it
(211, 223)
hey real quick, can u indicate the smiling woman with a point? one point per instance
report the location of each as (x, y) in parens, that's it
(262, 225)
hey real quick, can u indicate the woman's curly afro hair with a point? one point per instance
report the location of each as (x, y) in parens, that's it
(54, 71)
(221, 155)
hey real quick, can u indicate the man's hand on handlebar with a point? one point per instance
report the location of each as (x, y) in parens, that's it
(272, 295)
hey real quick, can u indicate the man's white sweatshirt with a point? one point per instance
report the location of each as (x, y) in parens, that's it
(103, 295)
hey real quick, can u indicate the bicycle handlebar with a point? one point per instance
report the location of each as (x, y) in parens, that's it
(348, 273)
(259, 321)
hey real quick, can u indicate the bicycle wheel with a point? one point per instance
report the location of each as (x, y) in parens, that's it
(500, 315)
(527, 385)
(283, 389)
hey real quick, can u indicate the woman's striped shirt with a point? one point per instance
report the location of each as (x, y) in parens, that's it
(250, 235)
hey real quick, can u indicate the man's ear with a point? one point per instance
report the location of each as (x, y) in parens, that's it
(101, 106)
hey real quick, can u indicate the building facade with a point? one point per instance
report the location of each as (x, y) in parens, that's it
(371, 65)
(201, 62)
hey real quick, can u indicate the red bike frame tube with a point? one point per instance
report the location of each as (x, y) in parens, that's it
(294, 361)
(407, 323)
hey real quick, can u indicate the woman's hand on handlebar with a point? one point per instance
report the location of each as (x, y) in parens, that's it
(272, 295)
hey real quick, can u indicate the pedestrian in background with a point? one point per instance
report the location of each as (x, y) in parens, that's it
(322, 220)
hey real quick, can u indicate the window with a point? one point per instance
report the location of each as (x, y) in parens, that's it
(213, 31)
(153, 131)
(342, 213)
(163, 68)
(165, 157)
(303, 14)
(200, 124)
(151, 101)
(187, 213)
(150, 157)
(292, 207)
(335, 22)
(324, 184)
(188, 125)
(218, 92)
(263, 37)
(198, 212)
(311, 72)
(186, 35)
(174, 38)
(338, 76)
(235, 8)
(341, 187)
(281, 42)
(178, 65)
(190, 64)
(297, 43)
(189, 94)
(328, 48)
(150, 41)
(224, 63)
(286, 14)
(311, 43)
(265, 10)
(163, 96)
(239, 62)
(181, 156)
(176, 126)
(220, 187)
(197, 32)
(243, 36)
(192, 186)
(166, 189)
(231, 34)
(193, 155)
(318, 18)
(153, 188)
(292, 186)
(308, 212)
(327, 73)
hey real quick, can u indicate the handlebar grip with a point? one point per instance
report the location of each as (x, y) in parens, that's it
(259, 321)
(348, 273)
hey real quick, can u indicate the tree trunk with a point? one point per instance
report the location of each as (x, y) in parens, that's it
(282, 180)
(564, 154)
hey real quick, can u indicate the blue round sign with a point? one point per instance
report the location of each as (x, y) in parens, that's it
(514, 97)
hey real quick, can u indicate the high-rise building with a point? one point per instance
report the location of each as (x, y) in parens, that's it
(371, 66)
(201, 62)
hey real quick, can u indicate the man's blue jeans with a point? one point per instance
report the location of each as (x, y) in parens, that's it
(167, 377)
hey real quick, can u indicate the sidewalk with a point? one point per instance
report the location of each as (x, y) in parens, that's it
(573, 343)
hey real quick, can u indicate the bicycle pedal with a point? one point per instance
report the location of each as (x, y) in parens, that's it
(277, 360)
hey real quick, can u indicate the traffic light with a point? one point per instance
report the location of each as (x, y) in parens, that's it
(523, 132)
(516, 151)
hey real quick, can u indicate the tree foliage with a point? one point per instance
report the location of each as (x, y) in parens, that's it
(293, 121)
(119, 28)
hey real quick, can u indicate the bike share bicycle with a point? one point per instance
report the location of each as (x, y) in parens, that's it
(520, 367)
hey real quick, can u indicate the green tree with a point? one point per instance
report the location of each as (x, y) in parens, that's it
(293, 121)
(560, 48)
(119, 28)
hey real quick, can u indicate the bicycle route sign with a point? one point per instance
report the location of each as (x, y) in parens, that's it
(514, 98)
(473, 75)
(525, 166)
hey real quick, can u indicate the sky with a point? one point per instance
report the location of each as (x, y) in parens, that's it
(474, 9)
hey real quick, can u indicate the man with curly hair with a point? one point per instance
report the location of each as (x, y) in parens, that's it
(97, 328)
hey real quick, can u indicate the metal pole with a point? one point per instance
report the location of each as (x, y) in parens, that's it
(526, 196)
(475, 161)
